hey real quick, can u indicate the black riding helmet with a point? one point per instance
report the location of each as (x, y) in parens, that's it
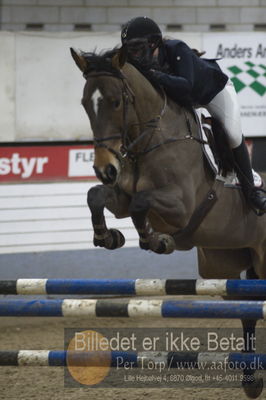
(140, 36)
(141, 27)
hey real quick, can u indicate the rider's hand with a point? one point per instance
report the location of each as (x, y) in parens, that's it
(155, 75)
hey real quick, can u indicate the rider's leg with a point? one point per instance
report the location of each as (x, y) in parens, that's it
(225, 108)
(255, 197)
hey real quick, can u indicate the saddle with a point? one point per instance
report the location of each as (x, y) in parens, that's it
(217, 151)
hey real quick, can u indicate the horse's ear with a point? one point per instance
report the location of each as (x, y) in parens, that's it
(79, 59)
(119, 59)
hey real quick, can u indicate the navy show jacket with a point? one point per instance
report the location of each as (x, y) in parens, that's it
(190, 77)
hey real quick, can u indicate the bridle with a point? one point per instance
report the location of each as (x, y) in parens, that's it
(128, 97)
(127, 147)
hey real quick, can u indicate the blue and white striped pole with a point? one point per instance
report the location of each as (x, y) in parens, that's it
(133, 308)
(189, 360)
(135, 287)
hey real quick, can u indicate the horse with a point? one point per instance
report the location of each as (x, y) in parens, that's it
(149, 158)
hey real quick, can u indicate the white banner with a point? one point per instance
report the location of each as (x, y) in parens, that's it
(243, 59)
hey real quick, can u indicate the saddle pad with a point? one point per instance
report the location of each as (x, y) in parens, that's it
(230, 180)
(199, 112)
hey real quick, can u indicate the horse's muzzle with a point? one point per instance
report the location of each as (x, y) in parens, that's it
(108, 176)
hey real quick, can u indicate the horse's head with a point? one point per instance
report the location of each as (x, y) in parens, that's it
(108, 101)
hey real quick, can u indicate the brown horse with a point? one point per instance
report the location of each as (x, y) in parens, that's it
(149, 157)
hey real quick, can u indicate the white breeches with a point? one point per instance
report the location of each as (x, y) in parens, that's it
(224, 106)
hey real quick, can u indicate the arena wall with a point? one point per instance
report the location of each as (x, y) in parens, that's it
(41, 87)
(109, 15)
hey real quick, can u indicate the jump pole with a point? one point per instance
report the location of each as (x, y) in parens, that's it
(56, 358)
(134, 287)
(134, 308)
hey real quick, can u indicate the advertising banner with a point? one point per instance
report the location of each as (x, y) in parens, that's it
(46, 163)
(243, 58)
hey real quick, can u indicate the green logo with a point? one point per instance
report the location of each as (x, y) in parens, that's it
(252, 75)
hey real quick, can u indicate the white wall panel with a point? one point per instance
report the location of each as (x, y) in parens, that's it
(49, 85)
(47, 217)
(7, 87)
(41, 87)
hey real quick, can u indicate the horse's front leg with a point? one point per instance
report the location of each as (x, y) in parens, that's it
(168, 215)
(117, 202)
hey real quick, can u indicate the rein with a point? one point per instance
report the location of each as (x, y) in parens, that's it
(127, 147)
(150, 125)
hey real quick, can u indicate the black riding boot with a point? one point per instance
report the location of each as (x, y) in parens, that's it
(255, 197)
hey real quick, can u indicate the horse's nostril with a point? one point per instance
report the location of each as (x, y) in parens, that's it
(111, 172)
(97, 172)
(109, 175)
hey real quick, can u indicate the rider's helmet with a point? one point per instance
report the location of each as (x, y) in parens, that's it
(141, 28)
(141, 36)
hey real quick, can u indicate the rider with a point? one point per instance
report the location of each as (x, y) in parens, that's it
(189, 79)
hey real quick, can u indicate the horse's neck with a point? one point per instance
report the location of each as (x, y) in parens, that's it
(176, 123)
(150, 103)
(147, 100)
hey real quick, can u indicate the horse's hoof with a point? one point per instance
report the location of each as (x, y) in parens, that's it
(144, 244)
(254, 388)
(98, 242)
(161, 243)
(118, 239)
(112, 239)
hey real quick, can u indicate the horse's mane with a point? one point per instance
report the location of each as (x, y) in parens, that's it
(101, 61)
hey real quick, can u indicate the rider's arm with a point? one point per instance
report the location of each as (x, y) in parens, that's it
(180, 82)
(174, 85)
